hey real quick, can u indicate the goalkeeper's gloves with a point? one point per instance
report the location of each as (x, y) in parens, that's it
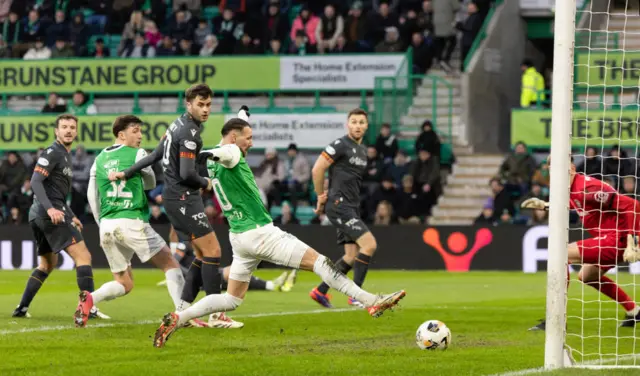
(632, 252)
(534, 203)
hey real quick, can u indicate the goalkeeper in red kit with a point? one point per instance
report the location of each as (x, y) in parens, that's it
(613, 221)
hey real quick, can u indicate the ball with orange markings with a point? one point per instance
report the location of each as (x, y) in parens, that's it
(433, 335)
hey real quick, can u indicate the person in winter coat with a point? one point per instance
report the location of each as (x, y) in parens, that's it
(306, 22)
(517, 169)
(444, 15)
(592, 164)
(386, 144)
(428, 140)
(329, 29)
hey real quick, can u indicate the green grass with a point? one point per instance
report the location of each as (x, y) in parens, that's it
(488, 313)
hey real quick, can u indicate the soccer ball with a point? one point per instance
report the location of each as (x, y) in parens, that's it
(433, 334)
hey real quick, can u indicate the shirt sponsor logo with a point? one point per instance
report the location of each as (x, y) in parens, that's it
(601, 197)
(67, 171)
(199, 216)
(357, 161)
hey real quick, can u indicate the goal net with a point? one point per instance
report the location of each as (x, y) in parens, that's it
(602, 103)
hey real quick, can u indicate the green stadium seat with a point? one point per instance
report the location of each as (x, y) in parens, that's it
(305, 214)
(325, 109)
(408, 145)
(275, 211)
(210, 13)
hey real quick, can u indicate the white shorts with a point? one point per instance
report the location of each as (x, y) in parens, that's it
(121, 238)
(266, 243)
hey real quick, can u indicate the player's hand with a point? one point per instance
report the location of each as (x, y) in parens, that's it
(534, 203)
(57, 216)
(209, 184)
(322, 200)
(77, 223)
(113, 176)
(632, 252)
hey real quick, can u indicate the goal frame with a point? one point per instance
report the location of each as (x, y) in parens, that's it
(561, 127)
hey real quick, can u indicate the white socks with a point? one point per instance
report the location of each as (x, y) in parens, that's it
(336, 280)
(175, 283)
(108, 291)
(634, 312)
(209, 304)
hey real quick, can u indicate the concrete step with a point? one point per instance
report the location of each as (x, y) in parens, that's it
(474, 170)
(427, 100)
(462, 191)
(450, 221)
(428, 111)
(456, 201)
(462, 213)
(460, 150)
(416, 121)
(470, 180)
(482, 159)
(441, 91)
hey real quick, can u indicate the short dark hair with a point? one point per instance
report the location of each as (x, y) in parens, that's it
(235, 124)
(123, 122)
(527, 62)
(66, 117)
(386, 125)
(358, 111)
(202, 90)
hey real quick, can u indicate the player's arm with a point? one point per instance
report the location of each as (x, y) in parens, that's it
(188, 169)
(148, 176)
(145, 162)
(227, 155)
(535, 203)
(45, 164)
(93, 195)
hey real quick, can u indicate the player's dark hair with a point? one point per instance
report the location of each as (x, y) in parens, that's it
(123, 122)
(358, 111)
(65, 117)
(235, 124)
(202, 90)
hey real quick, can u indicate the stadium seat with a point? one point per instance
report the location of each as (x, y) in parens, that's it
(408, 145)
(305, 214)
(275, 211)
(210, 13)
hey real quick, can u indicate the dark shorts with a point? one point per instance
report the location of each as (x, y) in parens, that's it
(187, 217)
(54, 238)
(347, 220)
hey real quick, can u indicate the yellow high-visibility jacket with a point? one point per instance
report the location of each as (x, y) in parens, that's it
(532, 87)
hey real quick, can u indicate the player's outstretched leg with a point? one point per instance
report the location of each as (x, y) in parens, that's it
(47, 264)
(84, 278)
(367, 244)
(256, 283)
(343, 264)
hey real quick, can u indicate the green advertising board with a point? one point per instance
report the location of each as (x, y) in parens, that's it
(592, 128)
(138, 75)
(607, 70)
(94, 131)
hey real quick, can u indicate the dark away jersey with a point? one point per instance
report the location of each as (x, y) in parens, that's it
(182, 140)
(348, 162)
(55, 165)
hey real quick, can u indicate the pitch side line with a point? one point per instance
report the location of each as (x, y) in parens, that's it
(9, 332)
(588, 364)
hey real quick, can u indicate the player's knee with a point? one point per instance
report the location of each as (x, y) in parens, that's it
(349, 258)
(48, 263)
(46, 267)
(369, 245)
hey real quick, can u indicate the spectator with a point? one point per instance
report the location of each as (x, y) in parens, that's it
(486, 216)
(210, 47)
(399, 167)
(502, 201)
(38, 52)
(384, 214)
(80, 105)
(541, 176)
(245, 46)
(187, 48)
(532, 85)
(5, 53)
(202, 32)
(214, 212)
(426, 177)
(470, 28)
(629, 187)
(517, 169)
(12, 30)
(179, 28)
(428, 140)
(228, 30)
(301, 45)
(329, 29)
(81, 165)
(5, 9)
(152, 35)
(158, 217)
(21, 200)
(617, 165)
(271, 173)
(59, 29)
(422, 54)
(54, 104)
(342, 46)
(381, 21)
(444, 15)
(79, 35)
(373, 171)
(62, 49)
(275, 47)
(287, 217)
(101, 51)
(166, 47)
(155, 10)
(409, 203)
(391, 42)
(409, 25)
(132, 28)
(33, 29)
(15, 217)
(356, 28)
(425, 18)
(139, 49)
(297, 175)
(539, 217)
(13, 173)
(193, 6)
(276, 25)
(386, 144)
(537, 191)
(305, 25)
(591, 165)
(386, 191)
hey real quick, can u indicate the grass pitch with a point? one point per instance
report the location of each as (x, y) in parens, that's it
(289, 334)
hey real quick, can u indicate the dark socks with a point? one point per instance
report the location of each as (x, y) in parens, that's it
(84, 277)
(192, 282)
(343, 267)
(33, 285)
(360, 268)
(211, 278)
(257, 284)
(223, 283)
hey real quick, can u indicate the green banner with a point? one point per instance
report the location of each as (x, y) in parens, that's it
(607, 70)
(94, 131)
(138, 75)
(592, 128)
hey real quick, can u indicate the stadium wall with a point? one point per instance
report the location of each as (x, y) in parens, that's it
(451, 248)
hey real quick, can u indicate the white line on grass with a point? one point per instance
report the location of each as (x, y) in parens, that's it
(587, 364)
(144, 322)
